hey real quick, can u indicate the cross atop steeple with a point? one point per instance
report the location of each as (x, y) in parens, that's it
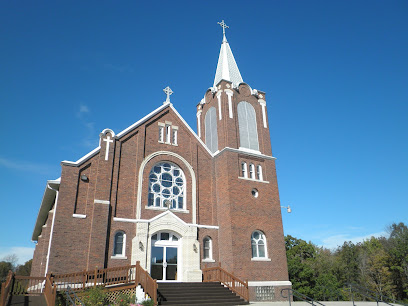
(168, 92)
(227, 68)
(223, 26)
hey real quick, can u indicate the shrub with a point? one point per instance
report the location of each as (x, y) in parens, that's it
(148, 303)
(94, 297)
(124, 299)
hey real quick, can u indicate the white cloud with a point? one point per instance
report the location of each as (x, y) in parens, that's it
(89, 127)
(26, 166)
(335, 241)
(23, 253)
(83, 109)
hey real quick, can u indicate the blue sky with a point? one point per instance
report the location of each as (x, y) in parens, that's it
(335, 74)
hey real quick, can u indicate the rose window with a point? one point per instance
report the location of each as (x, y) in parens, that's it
(166, 186)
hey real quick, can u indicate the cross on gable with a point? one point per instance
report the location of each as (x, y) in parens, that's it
(168, 92)
(223, 25)
(108, 142)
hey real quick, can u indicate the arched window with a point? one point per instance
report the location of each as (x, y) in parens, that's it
(211, 135)
(248, 134)
(167, 186)
(207, 248)
(119, 244)
(252, 171)
(259, 170)
(244, 170)
(258, 243)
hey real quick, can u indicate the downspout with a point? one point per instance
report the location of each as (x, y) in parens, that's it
(52, 228)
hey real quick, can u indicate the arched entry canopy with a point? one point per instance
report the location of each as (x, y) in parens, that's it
(172, 249)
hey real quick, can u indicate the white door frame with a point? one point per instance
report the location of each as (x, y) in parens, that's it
(164, 244)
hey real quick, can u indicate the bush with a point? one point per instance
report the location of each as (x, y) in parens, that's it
(148, 303)
(125, 300)
(94, 297)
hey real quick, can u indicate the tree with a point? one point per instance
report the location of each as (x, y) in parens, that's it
(348, 260)
(375, 273)
(25, 269)
(5, 267)
(300, 256)
(397, 249)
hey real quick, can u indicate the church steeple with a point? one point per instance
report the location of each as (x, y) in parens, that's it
(227, 68)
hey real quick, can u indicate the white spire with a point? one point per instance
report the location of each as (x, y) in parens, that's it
(227, 68)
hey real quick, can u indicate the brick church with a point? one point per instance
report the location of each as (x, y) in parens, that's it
(173, 199)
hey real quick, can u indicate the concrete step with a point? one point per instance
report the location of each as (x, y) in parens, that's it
(326, 303)
(209, 294)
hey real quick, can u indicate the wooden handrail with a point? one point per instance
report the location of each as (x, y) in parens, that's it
(218, 274)
(147, 282)
(50, 291)
(6, 288)
(133, 275)
(109, 276)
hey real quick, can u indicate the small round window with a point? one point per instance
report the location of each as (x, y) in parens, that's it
(255, 193)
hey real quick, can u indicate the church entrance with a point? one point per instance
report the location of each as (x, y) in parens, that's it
(164, 258)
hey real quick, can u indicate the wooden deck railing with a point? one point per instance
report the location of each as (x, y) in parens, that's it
(50, 291)
(6, 289)
(133, 275)
(27, 285)
(218, 274)
(146, 282)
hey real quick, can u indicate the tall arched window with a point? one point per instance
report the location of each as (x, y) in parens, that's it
(207, 248)
(258, 243)
(167, 185)
(259, 170)
(244, 169)
(248, 134)
(252, 171)
(211, 135)
(119, 244)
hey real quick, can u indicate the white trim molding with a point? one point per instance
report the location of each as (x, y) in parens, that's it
(269, 283)
(118, 257)
(253, 180)
(246, 151)
(260, 259)
(199, 122)
(193, 183)
(219, 105)
(159, 216)
(229, 93)
(183, 211)
(79, 216)
(96, 201)
(263, 106)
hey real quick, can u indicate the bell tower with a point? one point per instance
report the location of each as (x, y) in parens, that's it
(232, 121)
(232, 114)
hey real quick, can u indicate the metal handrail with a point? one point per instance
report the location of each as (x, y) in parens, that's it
(378, 297)
(68, 292)
(299, 296)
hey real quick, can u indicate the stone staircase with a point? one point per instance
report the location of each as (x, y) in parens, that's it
(203, 294)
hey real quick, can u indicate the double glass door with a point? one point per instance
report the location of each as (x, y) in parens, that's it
(164, 263)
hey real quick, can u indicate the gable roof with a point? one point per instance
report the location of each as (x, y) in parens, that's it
(47, 203)
(134, 126)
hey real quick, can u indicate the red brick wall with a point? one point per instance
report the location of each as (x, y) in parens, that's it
(223, 199)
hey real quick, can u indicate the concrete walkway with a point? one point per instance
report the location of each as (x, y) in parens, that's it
(343, 303)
